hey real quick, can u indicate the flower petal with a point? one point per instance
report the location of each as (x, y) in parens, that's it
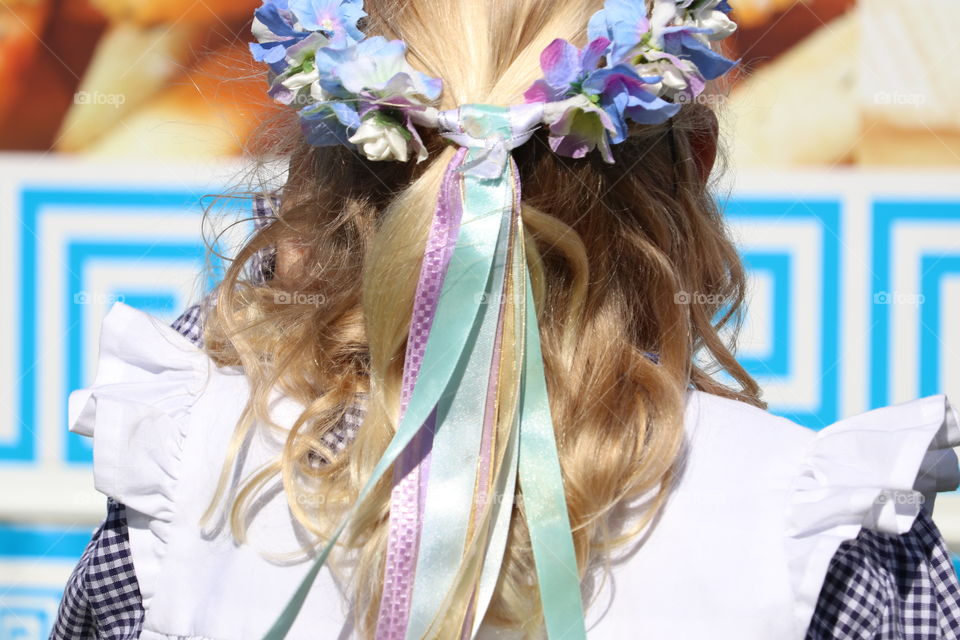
(710, 63)
(540, 91)
(322, 128)
(346, 115)
(598, 26)
(593, 52)
(560, 64)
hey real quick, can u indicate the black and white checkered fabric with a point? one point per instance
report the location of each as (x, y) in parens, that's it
(102, 597)
(190, 324)
(878, 586)
(882, 586)
(264, 262)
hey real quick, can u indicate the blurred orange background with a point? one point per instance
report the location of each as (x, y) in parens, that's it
(164, 79)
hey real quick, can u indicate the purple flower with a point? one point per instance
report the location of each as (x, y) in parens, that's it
(336, 19)
(577, 124)
(565, 68)
(588, 107)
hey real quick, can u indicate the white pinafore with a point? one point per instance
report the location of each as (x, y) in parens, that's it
(740, 551)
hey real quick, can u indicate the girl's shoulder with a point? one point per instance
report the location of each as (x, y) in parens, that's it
(759, 506)
(163, 417)
(884, 464)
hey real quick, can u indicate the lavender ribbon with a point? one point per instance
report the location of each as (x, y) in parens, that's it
(412, 468)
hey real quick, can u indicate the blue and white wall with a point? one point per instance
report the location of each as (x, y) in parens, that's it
(855, 296)
(75, 237)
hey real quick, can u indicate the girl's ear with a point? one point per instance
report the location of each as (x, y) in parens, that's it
(703, 143)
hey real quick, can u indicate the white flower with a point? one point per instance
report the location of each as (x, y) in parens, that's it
(719, 24)
(555, 111)
(673, 78)
(663, 14)
(301, 79)
(317, 92)
(705, 15)
(381, 139)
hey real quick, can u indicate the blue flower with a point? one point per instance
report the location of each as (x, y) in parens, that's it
(275, 31)
(626, 96)
(684, 43)
(283, 27)
(336, 19)
(374, 78)
(624, 23)
(300, 71)
(680, 80)
(588, 107)
(328, 124)
(682, 28)
(377, 70)
(711, 17)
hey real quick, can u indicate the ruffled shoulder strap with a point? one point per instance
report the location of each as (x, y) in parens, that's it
(875, 471)
(148, 378)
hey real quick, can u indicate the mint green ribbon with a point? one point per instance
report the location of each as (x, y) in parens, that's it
(453, 378)
(544, 501)
(460, 415)
(506, 480)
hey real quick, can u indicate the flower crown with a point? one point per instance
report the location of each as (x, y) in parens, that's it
(638, 66)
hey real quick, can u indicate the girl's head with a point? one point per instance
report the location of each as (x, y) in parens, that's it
(637, 290)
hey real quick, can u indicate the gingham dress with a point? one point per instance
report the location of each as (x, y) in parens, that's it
(878, 586)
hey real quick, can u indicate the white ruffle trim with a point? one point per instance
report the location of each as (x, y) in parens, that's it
(875, 470)
(136, 411)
